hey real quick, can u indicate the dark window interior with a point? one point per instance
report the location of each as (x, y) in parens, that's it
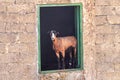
(60, 19)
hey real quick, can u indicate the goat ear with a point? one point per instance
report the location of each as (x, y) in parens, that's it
(58, 33)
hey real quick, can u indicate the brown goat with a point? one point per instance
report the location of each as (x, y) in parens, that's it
(61, 44)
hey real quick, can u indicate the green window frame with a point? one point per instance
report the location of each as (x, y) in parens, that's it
(78, 24)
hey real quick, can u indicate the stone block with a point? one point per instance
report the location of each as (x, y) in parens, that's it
(21, 8)
(105, 38)
(21, 1)
(115, 2)
(74, 76)
(3, 17)
(22, 71)
(57, 1)
(100, 56)
(3, 68)
(101, 2)
(7, 1)
(113, 19)
(2, 48)
(23, 68)
(3, 59)
(13, 57)
(4, 76)
(105, 29)
(99, 76)
(25, 1)
(99, 39)
(2, 27)
(105, 67)
(108, 75)
(117, 38)
(14, 48)
(28, 48)
(27, 37)
(116, 60)
(9, 58)
(12, 18)
(20, 76)
(117, 76)
(2, 8)
(28, 18)
(117, 67)
(39, 1)
(106, 52)
(105, 10)
(108, 2)
(17, 58)
(112, 76)
(111, 56)
(107, 47)
(27, 57)
(25, 18)
(15, 28)
(117, 47)
(117, 10)
(104, 75)
(109, 38)
(30, 27)
(116, 29)
(100, 20)
(7, 38)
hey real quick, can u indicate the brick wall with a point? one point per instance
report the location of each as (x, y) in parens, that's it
(18, 41)
(107, 39)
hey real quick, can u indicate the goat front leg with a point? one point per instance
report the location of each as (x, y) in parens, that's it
(63, 60)
(58, 59)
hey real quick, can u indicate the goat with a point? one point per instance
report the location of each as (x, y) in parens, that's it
(61, 44)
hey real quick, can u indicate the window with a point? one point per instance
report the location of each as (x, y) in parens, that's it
(65, 19)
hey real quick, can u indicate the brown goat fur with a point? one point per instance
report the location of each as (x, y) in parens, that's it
(61, 44)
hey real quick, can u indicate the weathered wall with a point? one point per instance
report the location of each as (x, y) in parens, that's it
(18, 41)
(107, 39)
(18, 55)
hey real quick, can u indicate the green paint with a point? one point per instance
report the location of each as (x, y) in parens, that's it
(81, 36)
(78, 35)
(78, 24)
(54, 5)
(38, 26)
